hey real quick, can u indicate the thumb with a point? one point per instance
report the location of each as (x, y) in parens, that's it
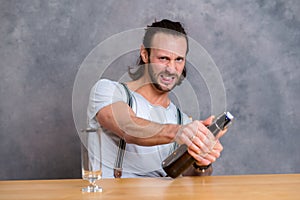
(209, 120)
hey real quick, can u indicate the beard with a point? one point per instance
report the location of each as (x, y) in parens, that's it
(155, 77)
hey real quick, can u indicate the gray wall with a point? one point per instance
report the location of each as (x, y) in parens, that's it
(255, 44)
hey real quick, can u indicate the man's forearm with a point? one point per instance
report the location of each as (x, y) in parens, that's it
(120, 119)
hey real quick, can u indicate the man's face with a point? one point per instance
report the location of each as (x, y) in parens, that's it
(167, 60)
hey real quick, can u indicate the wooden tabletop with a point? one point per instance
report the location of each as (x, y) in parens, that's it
(254, 187)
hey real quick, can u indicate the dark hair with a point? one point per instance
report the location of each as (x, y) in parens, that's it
(163, 26)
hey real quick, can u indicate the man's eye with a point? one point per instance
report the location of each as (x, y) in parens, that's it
(179, 59)
(163, 58)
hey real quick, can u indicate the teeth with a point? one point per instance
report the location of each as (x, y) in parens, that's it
(167, 77)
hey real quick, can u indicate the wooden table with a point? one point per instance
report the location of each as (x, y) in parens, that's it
(254, 187)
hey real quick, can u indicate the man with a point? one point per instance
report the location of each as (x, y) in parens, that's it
(150, 125)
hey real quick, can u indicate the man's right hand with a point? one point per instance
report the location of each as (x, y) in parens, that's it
(202, 144)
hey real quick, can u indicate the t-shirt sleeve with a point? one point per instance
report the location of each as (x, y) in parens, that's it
(103, 93)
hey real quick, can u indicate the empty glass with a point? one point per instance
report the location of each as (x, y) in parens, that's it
(91, 158)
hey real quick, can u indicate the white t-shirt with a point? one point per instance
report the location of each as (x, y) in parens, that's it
(139, 161)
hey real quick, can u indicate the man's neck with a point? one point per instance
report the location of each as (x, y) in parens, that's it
(149, 92)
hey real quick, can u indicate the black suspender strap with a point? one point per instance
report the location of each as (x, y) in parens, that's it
(122, 143)
(179, 121)
(129, 97)
(179, 116)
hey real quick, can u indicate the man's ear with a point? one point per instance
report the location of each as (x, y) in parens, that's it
(144, 54)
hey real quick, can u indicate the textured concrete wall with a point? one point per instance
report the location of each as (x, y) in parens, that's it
(255, 44)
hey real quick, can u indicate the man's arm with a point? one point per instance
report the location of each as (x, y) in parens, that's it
(120, 119)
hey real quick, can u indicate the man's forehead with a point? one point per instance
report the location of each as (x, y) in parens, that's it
(168, 42)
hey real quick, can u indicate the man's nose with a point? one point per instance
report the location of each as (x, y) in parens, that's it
(171, 66)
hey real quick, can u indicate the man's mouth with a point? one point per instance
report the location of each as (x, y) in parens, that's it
(167, 79)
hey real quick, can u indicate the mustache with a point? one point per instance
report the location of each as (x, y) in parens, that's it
(168, 74)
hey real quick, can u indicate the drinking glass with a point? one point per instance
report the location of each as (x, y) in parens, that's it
(91, 159)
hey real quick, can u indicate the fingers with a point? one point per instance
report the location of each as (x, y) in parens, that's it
(202, 161)
(202, 144)
(206, 140)
(210, 157)
(197, 137)
(200, 138)
(221, 133)
(205, 160)
(186, 134)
